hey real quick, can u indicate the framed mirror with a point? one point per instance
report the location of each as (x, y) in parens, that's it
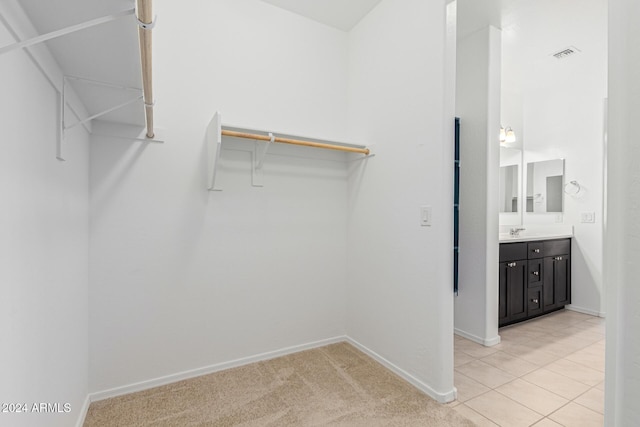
(545, 183)
(509, 184)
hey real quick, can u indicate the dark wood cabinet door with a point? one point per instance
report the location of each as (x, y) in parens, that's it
(512, 292)
(549, 300)
(517, 290)
(557, 282)
(562, 279)
(503, 312)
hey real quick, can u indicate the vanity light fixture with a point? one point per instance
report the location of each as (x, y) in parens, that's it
(511, 135)
(507, 135)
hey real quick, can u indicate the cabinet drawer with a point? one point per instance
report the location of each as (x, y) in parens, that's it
(534, 276)
(534, 301)
(513, 251)
(557, 247)
(535, 250)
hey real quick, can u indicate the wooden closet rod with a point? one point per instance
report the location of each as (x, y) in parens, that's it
(295, 142)
(145, 25)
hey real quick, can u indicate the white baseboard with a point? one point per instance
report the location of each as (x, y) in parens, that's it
(487, 342)
(168, 379)
(425, 388)
(83, 411)
(585, 310)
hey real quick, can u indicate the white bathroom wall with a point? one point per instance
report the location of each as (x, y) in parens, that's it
(622, 392)
(564, 118)
(511, 115)
(183, 280)
(399, 288)
(44, 228)
(478, 106)
(511, 106)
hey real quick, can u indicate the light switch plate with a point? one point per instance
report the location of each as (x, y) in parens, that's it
(425, 216)
(588, 217)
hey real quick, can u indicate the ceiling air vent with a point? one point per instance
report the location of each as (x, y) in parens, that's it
(566, 52)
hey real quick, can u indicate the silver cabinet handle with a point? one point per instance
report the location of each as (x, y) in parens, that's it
(535, 273)
(512, 264)
(535, 300)
(558, 258)
(536, 251)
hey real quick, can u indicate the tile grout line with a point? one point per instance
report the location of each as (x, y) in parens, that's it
(471, 409)
(581, 345)
(578, 403)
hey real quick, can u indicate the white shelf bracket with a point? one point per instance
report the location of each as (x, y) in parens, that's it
(147, 26)
(264, 152)
(214, 146)
(102, 113)
(60, 138)
(366, 157)
(64, 31)
(258, 161)
(256, 169)
(62, 116)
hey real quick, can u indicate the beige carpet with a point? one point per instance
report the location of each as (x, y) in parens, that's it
(335, 385)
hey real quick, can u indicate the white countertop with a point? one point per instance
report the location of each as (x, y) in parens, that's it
(528, 237)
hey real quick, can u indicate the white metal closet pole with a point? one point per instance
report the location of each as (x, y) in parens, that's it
(146, 23)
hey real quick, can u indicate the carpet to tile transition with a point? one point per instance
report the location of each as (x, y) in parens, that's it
(335, 385)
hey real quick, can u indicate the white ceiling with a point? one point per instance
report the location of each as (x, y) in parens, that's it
(474, 15)
(340, 14)
(532, 30)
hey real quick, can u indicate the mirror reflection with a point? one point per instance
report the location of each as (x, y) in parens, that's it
(545, 181)
(509, 181)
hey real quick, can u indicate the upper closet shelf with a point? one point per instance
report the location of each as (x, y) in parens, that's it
(216, 131)
(68, 96)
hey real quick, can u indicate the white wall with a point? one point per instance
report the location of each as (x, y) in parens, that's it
(565, 119)
(44, 229)
(478, 106)
(399, 294)
(511, 115)
(562, 107)
(623, 206)
(185, 279)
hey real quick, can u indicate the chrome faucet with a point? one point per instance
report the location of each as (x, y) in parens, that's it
(515, 231)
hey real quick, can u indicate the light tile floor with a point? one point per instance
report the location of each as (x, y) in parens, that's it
(545, 372)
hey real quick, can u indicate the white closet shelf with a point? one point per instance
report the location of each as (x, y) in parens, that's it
(216, 131)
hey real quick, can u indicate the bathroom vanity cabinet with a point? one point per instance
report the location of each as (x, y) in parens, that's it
(535, 278)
